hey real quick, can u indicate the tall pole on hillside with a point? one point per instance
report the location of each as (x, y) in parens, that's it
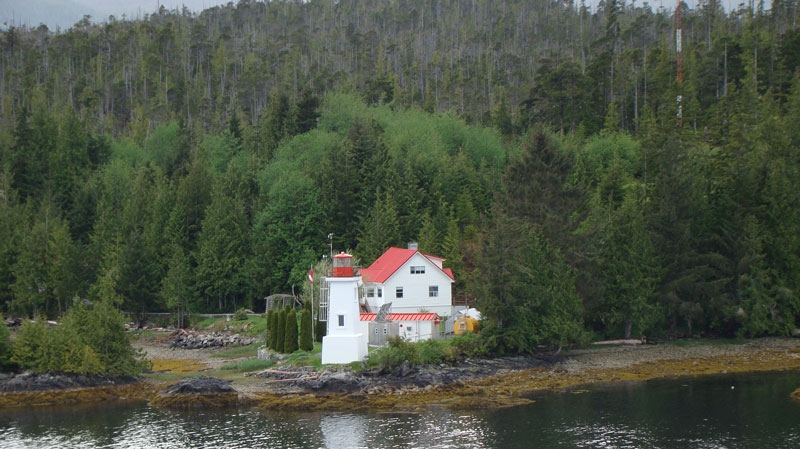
(311, 286)
(679, 64)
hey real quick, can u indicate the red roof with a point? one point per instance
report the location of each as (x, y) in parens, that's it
(419, 316)
(385, 266)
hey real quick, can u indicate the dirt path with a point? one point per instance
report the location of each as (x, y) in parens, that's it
(155, 351)
(622, 357)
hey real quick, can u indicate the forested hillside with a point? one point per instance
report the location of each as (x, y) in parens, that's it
(199, 161)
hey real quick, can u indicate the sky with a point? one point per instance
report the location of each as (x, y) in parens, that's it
(65, 13)
(62, 14)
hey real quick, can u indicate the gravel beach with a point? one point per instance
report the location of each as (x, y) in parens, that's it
(506, 380)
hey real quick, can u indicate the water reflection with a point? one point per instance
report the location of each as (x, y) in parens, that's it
(343, 431)
(434, 428)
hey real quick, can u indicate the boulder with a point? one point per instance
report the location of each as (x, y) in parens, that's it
(200, 385)
(200, 392)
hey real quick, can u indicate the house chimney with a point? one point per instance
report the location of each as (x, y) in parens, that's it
(413, 245)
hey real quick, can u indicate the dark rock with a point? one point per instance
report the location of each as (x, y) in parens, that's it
(340, 382)
(200, 385)
(55, 381)
(201, 392)
(404, 370)
(404, 377)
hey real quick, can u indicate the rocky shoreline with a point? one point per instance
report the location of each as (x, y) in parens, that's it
(482, 383)
(50, 381)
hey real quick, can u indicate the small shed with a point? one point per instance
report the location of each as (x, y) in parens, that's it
(381, 331)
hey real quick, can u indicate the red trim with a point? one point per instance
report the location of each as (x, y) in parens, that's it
(418, 316)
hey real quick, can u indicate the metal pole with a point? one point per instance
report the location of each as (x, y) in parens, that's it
(679, 62)
(312, 308)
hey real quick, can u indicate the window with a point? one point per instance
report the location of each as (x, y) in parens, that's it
(370, 293)
(417, 269)
(380, 292)
(398, 292)
(341, 320)
(433, 291)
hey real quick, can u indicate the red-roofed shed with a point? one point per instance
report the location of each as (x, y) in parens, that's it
(415, 326)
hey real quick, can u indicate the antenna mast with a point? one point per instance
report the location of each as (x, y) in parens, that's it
(679, 63)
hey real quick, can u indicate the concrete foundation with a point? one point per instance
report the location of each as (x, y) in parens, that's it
(343, 349)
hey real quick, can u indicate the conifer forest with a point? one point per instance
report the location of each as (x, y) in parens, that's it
(198, 161)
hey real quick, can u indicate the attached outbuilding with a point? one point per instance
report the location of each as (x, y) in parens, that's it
(411, 327)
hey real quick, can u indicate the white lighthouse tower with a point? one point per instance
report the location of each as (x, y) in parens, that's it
(344, 341)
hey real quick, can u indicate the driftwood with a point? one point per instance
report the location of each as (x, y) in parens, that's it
(293, 380)
(274, 371)
(630, 341)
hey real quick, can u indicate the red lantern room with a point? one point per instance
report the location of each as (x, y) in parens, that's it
(343, 266)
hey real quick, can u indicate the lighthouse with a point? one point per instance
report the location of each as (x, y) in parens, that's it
(344, 341)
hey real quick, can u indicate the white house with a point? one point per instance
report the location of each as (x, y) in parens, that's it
(410, 280)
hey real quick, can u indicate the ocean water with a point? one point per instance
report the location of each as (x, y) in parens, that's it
(732, 411)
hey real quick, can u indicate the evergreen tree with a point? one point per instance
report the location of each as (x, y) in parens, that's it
(625, 263)
(11, 219)
(44, 276)
(271, 330)
(280, 335)
(306, 341)
(526, 290)
(176, 285)
(5, 348)
(321, 330)
(221, 251)
(29, 346)
(381, 228)
(290, 343)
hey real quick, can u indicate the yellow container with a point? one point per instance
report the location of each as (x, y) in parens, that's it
(466, 324)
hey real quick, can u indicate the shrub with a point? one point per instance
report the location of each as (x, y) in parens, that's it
(88, 341)
(433, 352)
(240, 315)
(468, 345)
(290, 337)
(73, 355)
(398, 351)
(102, 327)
